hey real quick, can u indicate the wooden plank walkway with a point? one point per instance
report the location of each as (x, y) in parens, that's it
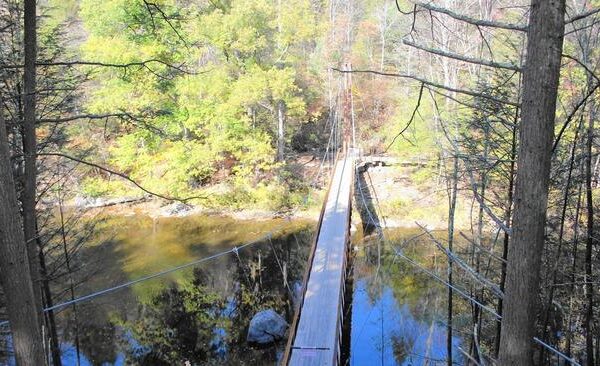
(318, 332)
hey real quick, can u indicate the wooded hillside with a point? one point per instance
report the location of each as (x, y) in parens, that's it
(225, 104)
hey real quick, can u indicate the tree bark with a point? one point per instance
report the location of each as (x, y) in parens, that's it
(590, 242)
(572, 286)
(63, 235)
(508, 223)
(280, 130)
(30, 150)
(280, 103)
(49, 315)
(540, 85)
(451, 213)
(15, 275)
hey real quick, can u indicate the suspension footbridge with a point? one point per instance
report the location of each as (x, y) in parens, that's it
(315, 335)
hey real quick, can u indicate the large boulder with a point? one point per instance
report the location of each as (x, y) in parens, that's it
(266, 327)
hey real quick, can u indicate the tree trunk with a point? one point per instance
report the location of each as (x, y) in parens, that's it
(29, 150)
(49, 315)
(280, 130)
(572, 286)
(508, 223)
(451, 213)
(15, 275)
(540, 85)
(590, 242)
(63, 235)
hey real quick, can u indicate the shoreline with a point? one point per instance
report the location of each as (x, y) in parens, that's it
(404, 203)
(157, 208)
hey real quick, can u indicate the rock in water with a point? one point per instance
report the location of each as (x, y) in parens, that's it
(266, 327)
(176, 209)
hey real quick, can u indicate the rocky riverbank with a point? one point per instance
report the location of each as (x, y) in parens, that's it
(158, 208)
(398, 195)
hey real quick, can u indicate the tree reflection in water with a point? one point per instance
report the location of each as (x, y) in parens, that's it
(204, 320)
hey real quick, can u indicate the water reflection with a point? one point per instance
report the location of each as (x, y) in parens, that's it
(197, 315)
(395, 309)
(201, 315)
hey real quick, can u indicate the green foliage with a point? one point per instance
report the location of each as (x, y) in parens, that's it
(423, 175)
(96, 187)
(487, 137)
(213, 122)
(398, 206)
(178, 324)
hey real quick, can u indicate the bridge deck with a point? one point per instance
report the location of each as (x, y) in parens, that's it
(318, 331)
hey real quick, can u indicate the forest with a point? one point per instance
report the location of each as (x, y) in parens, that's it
(140, 139)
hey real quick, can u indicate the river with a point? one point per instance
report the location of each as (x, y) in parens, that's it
(200, 314)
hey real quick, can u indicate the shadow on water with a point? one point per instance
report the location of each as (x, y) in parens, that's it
(365, 202)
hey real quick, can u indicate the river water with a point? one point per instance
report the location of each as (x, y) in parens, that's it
(200, 314)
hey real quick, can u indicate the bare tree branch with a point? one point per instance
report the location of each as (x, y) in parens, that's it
(492, 254)
(122, 175)
(461, 292)
(165, 18)
(144, 63)
(81, 116)
(570, 117)
(455, 56)
(485, 207)
(580, 63)
(430, 83)
(467, 19)
(410, 121)
(456, 259)
(124, 116)
(593, 23)
(582, 15)
(3, 29)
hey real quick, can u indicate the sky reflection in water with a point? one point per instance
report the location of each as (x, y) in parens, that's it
(391, 323)
(400, 339)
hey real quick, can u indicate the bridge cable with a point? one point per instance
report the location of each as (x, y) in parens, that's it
(140, 280)
(283, 274)
(458, 290)
(235, 250)
(499, 318)
(399, 253)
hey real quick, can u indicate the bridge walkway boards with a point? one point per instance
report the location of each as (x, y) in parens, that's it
(318, 331)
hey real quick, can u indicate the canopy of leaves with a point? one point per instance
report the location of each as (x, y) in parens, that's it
(204, 88)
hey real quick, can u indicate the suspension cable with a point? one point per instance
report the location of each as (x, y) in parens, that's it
(234, 250)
